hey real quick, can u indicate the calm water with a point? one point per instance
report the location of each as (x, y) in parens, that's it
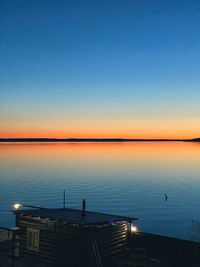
(120, 178)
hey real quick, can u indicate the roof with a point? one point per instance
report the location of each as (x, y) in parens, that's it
(75, 216)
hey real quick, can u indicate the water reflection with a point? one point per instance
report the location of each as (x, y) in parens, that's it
(124, 178)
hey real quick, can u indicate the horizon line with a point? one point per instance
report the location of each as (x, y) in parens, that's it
(110, 139)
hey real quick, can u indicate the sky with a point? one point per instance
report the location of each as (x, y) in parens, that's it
(91, 68)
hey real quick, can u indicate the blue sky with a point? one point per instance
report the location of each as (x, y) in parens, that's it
(86, 62)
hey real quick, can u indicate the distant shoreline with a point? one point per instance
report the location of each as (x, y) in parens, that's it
(91, 140)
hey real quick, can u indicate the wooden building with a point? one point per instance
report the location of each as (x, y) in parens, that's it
(70, 237)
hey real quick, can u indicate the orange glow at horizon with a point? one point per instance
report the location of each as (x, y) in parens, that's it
(151, 128)
(100, 134)
(56, 134)
(97, 135)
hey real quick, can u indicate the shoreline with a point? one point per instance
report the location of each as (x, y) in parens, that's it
(91, 140)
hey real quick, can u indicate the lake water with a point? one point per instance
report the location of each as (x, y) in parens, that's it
(120, 178)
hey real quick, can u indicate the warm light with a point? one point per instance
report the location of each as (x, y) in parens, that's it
(16, 206)
(133, 229)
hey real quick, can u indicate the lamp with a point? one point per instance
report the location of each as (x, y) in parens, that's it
(133, 229)
(17, 206)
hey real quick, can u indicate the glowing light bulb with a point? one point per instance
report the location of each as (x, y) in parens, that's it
(16, 206)
(133, 229)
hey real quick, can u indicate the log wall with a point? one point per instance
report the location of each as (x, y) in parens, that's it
(65, 245)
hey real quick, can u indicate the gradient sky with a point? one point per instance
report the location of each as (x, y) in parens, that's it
(88, 68)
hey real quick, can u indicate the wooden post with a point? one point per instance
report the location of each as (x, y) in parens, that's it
(83, 207)
(17, 212)
(64, 199)
(13, 249)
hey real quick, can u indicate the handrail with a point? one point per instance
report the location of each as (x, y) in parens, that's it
(96, 254)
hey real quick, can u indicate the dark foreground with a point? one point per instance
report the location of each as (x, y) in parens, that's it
(143, 250)
(154, 250)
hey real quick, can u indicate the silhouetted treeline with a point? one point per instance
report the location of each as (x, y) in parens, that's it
(93, 140)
